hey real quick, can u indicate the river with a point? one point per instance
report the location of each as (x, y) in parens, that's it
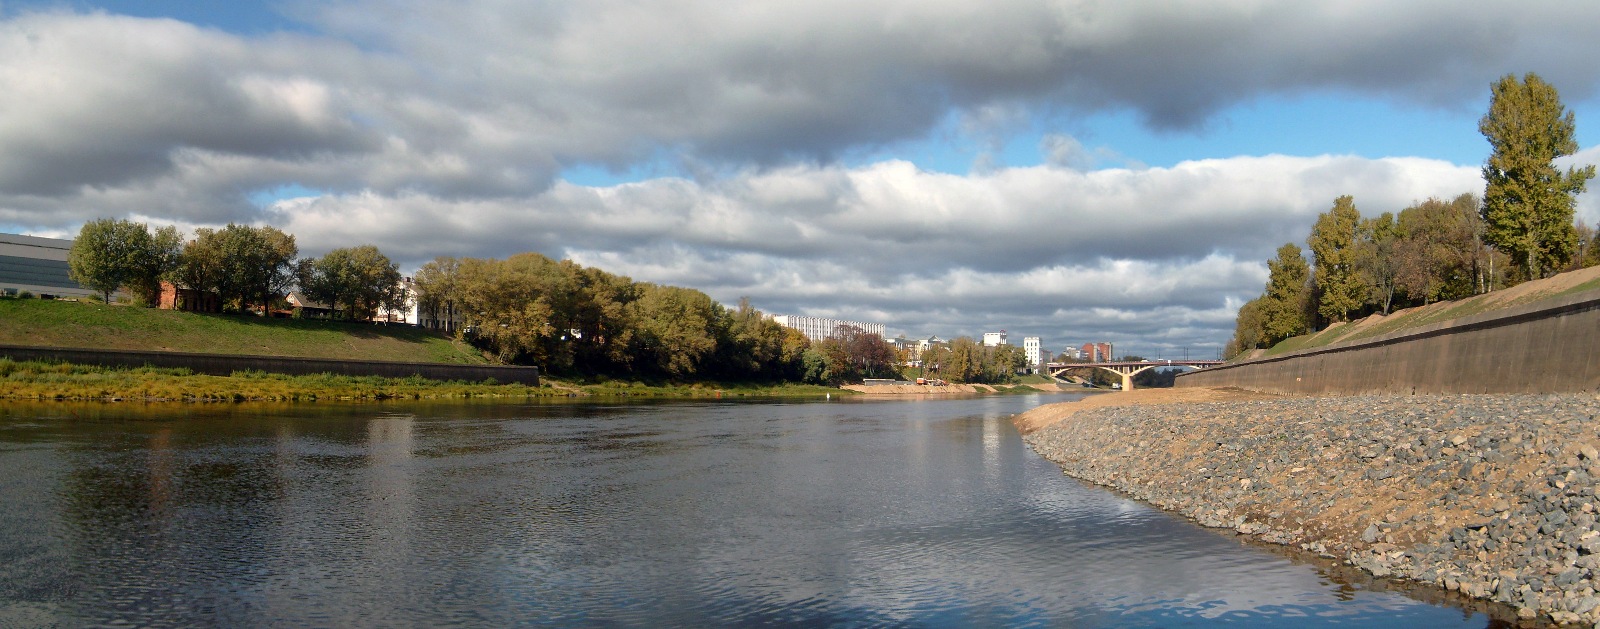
(848, 512)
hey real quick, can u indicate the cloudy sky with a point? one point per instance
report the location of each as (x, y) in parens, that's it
(1078, 170)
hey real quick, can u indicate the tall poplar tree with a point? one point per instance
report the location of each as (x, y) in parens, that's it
(1283, 307)
(1341, 289)
(1528, 202)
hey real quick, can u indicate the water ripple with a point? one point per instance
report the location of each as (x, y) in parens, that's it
(705, 514)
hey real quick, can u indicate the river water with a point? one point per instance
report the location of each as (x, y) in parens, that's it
(852, 513)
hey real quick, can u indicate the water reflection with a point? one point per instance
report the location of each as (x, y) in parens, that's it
(905, 512)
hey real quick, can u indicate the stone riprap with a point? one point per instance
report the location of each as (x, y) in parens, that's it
(1492, 496)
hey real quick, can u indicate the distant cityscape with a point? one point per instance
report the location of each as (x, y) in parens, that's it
(818, 328)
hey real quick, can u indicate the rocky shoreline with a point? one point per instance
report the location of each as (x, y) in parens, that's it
(1492, 496)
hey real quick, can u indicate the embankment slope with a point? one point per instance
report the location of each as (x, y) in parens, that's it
(45, 323)
(1494, 496)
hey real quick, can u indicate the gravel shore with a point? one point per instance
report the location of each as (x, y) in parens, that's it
(1492, 496)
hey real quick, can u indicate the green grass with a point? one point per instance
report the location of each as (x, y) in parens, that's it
(88, 324)
(95, 325)
(31, 380)
(1414, 318)
(39, 380)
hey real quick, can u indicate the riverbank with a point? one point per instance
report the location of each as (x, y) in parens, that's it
(1493, 496)
(86, 324)
(954, 389)
(28, 380)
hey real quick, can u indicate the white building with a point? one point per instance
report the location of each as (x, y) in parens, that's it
(444, 317)
(994, 339)
(818, 328)
(1030, 346)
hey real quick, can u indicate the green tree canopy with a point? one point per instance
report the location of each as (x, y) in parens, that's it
(1435, 254)
(1528, 202)
(1249, 330)
(359, 281)
(243, 265)
(1340, 287)
(1375, 261)
(110, 254)
(1284, 310)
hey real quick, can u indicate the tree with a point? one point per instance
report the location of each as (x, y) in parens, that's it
(506, 307)
(965, 360)
(1527, 201)
(1435, 255)
(108, 254)
(359, 280)
(1249, 330)
(1587, 254)
(675, 328)
(935, 359)
(1284, 308)
(1340, 288)
(1375, 259)
(200, 264)
(111, 254)
(438, 292)
(1004, 363)
(244, 265)
(161, 263)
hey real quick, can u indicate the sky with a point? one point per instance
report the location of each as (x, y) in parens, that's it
(1077, 170)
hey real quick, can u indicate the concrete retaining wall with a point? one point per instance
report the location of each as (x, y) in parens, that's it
(224, 364)
(1552, 346)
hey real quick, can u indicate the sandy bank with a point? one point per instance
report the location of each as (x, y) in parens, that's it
(1052, 414)
(943, 389)
(1494, 496)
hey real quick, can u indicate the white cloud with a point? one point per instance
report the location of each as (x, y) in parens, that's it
(1042, 246)
(442, 128)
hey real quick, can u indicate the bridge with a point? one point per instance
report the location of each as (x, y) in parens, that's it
(1127, 369)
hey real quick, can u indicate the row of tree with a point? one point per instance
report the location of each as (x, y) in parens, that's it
(1523, 228)
(967, 360)
(247, 268)
(525, 309)
(569, 318)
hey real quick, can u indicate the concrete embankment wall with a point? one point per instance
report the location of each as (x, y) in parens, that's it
(1551, 346)
(224, 364)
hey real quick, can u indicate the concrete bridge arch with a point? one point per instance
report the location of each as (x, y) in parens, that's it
(1127, 370)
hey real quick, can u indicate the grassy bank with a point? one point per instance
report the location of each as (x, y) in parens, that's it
(1378, 325)
(61, 381)
(88, 324)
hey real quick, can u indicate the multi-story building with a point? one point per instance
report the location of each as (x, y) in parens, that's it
(818, 328)
(994, 339)
(1030, 347)
(38, 266)
(430, 313)
(1096, 352)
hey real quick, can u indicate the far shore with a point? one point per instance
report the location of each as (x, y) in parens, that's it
(962, 389)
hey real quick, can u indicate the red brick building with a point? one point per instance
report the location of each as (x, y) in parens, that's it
(1096, 352)
(188, 299)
